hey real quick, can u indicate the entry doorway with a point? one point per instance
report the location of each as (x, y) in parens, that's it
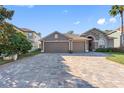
(91, 43)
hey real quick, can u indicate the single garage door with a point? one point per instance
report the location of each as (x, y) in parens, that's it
(78, 47)
(56, 47)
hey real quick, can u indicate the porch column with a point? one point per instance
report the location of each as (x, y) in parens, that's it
(43, 47)
(71, 45)
(86, 46)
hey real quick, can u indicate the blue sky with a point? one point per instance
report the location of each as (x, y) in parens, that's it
(46, 19)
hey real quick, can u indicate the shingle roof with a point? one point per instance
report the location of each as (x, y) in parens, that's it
(29, 30)
(69, 36)
(26, 30)
(75, 37)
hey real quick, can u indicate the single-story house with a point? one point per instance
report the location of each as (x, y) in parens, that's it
(92, 39)
(57, 42)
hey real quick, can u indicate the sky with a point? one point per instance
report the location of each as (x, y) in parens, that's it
(47, 19)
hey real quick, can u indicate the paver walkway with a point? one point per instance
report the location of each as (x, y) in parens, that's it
(85, 70)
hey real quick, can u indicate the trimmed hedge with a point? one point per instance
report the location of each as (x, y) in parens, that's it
(109, 50)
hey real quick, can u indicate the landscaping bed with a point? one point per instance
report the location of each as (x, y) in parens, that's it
(32, 53)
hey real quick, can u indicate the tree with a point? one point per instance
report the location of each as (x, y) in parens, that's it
(118, 10)
(19, 43)
(5, 14)
(70, 32)
(12, 41)
(4, 26)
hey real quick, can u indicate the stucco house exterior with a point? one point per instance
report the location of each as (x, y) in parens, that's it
(32, 36)
(57, 42)
(117, 35)
(92, 39)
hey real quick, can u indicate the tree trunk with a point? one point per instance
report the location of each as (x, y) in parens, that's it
(122, 31)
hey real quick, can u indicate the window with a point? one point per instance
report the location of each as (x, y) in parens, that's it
(56, 36)
(101, 43)
(30, 34)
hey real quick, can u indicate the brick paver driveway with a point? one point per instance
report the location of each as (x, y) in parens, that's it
(63, 70)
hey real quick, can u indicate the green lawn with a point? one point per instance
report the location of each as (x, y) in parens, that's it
(116, 57)
(21, 56)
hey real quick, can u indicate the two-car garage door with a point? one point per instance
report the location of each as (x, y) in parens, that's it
(56, 47)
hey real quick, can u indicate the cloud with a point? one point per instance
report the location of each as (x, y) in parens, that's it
(101, 21)
(77, 22)
(112, 20)
(65, 11)
(28, 6)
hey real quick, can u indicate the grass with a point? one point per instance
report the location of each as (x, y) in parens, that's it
(21, 56)
(116, 57)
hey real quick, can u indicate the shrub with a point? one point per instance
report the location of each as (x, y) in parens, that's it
(109, 50)
(20, 43)
(31, 53)
(70, 51)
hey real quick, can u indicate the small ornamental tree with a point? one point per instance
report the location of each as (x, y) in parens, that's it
(13, 42)
(19, 43)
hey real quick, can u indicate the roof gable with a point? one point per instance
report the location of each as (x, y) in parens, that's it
(52, 36)
(95, 29)
(96, 33)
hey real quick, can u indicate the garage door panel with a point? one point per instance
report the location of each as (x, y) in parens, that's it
(78, 47)
(56, 47)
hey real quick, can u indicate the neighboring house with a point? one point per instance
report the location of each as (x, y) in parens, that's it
(99, 39)
(57, 42)
(32, 36)
(117, 34)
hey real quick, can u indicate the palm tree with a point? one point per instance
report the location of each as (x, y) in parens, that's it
(118, 10)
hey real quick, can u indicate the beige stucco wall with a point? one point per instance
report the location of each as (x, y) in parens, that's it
(117, 40)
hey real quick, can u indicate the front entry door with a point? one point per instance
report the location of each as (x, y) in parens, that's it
(91, 44)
